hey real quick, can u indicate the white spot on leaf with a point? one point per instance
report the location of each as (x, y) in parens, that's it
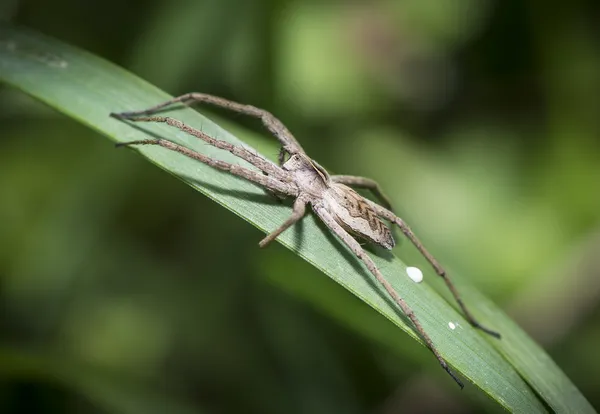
(415, 274)
(452, 325)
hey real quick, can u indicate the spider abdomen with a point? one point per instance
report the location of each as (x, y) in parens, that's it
(356, 216)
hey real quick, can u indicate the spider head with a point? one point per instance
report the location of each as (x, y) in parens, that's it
(297, 162)
(302, 163)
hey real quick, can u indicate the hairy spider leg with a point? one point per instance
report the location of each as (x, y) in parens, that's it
(253, 176)
(252, 157)
(439, 270)
(349, 241)
(297, 214)
(270, 122)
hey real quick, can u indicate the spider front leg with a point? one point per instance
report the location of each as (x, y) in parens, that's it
(274, 125)
(297, 214)
(364, 257)
(253, 158)
(406, 230)
(252, 176)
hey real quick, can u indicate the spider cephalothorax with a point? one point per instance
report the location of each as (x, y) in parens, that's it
(348, 208)
(347, 214)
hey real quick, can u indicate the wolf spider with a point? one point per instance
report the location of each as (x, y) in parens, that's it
(344, 211)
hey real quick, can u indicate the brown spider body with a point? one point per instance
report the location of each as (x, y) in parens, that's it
(345, 212)
(348, 208)
(357, 217)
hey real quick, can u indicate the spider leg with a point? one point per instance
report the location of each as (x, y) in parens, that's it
(297, 214)
(277, 197)
(363, 182)
(244, 153)
(406, 230)
(364, 257)
(253, 176)
(274, 125)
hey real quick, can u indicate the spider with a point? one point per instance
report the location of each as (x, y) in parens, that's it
(346, 213)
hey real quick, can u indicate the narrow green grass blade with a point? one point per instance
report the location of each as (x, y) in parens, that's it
(87, 88)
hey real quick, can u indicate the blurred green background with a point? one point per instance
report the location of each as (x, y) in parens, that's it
(123, 290)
